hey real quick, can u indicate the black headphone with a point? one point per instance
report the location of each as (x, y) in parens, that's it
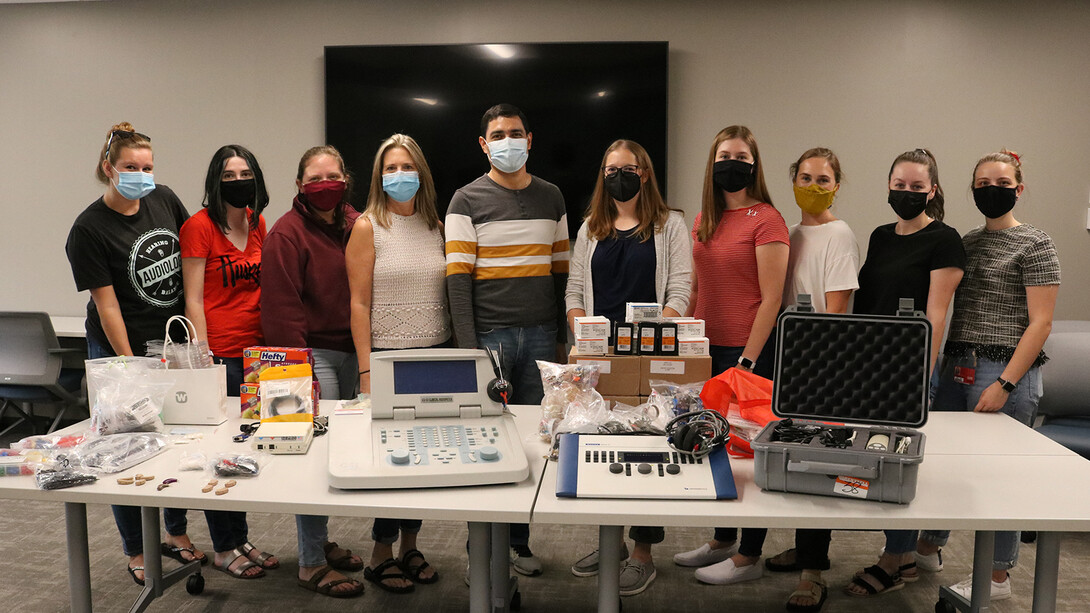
(498, 389)
(697, 432)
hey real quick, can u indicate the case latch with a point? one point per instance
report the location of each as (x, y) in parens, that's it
(803, 304)
(907, 308)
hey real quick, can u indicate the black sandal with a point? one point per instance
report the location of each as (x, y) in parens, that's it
(132, 573)
(379, 577)
(414, 570)
(887, 583)
(777, 564)
(175, 553)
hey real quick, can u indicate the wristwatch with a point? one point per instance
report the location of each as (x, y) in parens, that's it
(746, 363)
(1006, 385)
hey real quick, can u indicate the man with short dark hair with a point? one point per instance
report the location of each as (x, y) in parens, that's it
(507, 265)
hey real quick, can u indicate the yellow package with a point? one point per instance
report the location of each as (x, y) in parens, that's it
(287, 393)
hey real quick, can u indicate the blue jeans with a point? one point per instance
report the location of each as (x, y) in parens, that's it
(386, 531)
(521, 349)
(234, 373)
(128, 518)
(312, 533)
(949, 395)
(228, 529)
(337, 373)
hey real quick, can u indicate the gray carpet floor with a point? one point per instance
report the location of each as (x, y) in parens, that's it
(33, 571)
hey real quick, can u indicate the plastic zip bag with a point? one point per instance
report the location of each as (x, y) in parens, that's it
(193, 353)
(129, 397)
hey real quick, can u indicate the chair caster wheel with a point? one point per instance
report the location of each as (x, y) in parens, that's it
(194, 584)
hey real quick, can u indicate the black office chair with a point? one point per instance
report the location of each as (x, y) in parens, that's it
(31, 370)
(1065, 405)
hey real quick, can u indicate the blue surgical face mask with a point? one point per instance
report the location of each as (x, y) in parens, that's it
(134, 185)
(509, 154)
(401, 185)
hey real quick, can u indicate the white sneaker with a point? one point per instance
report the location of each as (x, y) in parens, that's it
(1000, 591)
(725, 573)
(931, 563)
(705, 555)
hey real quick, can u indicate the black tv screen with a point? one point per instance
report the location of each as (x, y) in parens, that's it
(578, 98)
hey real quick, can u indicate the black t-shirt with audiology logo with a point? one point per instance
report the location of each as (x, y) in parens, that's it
(139, 255)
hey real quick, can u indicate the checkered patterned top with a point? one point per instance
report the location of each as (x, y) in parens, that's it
(990, 304)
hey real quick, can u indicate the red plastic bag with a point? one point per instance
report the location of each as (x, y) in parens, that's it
(745, 399)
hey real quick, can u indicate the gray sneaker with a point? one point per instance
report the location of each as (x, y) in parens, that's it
(636, 576)
(587, 566)
(524, 562)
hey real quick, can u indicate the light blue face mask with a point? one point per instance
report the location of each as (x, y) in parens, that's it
(401, 185)
(134, 185)
(509, 154)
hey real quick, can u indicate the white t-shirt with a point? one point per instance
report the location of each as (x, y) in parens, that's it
(823, 259)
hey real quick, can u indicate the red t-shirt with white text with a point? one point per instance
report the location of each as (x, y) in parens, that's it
(728, 292)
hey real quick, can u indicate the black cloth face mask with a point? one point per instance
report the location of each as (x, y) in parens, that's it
(622, 185)
(908, 205)
(732, 175)
(995, 201)
(239, 194)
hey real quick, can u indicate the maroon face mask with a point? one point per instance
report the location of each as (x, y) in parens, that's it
(324, 195)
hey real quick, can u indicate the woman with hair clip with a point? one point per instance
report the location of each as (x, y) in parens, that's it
(921, 258)
(221, 267)
(823, 263)
(132, 227)
(396, 266)
(1002, 317)
(305, 303)
(740, 257)
(631, 248)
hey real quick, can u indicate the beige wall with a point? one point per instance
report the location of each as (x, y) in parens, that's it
(868, 79)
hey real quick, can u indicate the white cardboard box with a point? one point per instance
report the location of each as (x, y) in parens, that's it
(642, 311)
(592, 346)
(693, 346)
(592, 327)
(688, 327)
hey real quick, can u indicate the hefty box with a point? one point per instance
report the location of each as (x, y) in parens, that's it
(679, 369)
(255, 360)
(618, 375)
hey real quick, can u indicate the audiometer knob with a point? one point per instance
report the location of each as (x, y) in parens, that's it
(644, 469)
(489, 453)
(673, 469)
(400, 456)
(616, 468)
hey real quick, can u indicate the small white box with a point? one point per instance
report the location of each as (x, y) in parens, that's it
(688, 327)
(592, 346)
(592, 327)
(690, 347)
(642, 311)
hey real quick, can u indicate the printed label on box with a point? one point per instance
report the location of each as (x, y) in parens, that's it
(851, 486)
(667, 367)
(603, 365)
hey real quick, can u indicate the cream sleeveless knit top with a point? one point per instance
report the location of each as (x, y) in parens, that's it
(408, 295)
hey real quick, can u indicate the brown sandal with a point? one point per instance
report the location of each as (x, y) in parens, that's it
(240, 570)
(343, 562)
(327, 589)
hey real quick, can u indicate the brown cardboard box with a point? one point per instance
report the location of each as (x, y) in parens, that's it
(673, 368)
(632, 401)
(618, 375)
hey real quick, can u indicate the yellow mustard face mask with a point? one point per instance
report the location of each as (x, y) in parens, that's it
(814, 199)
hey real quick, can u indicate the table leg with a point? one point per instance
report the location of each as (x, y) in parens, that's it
(609, 568)
(79, 561)
(983, 555)
(479, 552)
(502, 584)
(153, 563)
(1047, 572)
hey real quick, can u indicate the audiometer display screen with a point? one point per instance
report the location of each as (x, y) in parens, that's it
(435, 377)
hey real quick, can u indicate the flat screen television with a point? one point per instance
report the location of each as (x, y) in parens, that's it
(578, 98)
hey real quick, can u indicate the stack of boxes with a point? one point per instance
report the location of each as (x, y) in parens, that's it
(254, 362)
(645, 347)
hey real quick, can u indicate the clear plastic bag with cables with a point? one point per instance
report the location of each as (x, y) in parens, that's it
(570, 403)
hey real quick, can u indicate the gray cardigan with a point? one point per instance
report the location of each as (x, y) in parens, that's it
(673, 267)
